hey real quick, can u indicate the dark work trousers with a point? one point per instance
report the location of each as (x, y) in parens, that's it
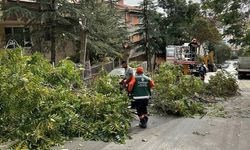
(141, 106)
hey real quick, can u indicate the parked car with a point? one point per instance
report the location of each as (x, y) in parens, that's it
(230, 66)
(119, 72)
(224, 65)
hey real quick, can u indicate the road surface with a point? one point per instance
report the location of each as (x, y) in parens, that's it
(172, 133)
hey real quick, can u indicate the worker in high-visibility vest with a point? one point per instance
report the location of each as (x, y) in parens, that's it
(140, 89)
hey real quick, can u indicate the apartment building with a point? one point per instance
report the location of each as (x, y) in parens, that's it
(133, 20)
(16, 32)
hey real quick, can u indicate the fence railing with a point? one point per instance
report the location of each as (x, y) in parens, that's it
(91, 71)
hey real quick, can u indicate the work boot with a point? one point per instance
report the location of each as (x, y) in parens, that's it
(146, 119)
(143, 122)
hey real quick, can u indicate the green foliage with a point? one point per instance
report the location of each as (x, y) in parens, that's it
(180, 17)
(173, 92)
(223, 84)
(42, 105)
(217, 110)
(232, 14)
(182, 95)
(105, 34)
(156, 28)
(245, 50)
(204, 30)
(222, 52)
(103, 27)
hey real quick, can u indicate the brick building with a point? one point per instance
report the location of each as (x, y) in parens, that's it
(15, 32)
(133, 19)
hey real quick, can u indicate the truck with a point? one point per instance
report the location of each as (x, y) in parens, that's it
(243, 68)
(181, 55)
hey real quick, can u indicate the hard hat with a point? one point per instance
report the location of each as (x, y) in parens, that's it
(139, 70)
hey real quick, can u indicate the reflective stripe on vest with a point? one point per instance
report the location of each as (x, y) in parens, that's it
(141, 97)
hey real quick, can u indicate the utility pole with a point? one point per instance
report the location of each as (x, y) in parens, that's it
(146, 40)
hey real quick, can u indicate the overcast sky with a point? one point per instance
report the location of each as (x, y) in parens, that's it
(132, 2)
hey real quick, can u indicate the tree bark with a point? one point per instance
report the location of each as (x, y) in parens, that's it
(52, 33)
(83, 43)
(148, 54)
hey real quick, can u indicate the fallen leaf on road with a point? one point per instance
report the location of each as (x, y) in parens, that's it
(198, 133)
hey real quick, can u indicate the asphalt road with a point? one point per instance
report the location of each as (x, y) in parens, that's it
(170, 133)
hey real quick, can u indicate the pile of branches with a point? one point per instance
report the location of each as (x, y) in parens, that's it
(43, 105)
(186, 95)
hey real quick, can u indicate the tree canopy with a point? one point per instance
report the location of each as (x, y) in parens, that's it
(60, 19)
(185, 21)
(233, 14)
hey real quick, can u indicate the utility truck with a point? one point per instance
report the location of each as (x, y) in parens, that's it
(243, 67)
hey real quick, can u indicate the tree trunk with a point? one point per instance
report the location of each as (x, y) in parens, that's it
(83, 44)
(83, 47)
(148, 54)
(53, 45)
(83, 41)
(52, 33)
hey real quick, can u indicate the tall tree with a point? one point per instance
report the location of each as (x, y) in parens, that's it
(180, 16)
(104, 28)
(70, 20)
(233, 14)
(246, 43)
(204, 30)
(154, 30)
(52, 17)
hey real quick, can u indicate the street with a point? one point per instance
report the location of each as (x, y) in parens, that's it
(136, 73)
(173, 133)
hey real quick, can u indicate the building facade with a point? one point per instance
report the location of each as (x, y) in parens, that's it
(18, 32)
(133, 21)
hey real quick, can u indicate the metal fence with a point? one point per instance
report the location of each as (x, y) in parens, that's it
(91, 71)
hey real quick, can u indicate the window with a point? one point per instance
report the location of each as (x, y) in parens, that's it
(140, 19)
(131, 19)
(170, 52)
(20, 34)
